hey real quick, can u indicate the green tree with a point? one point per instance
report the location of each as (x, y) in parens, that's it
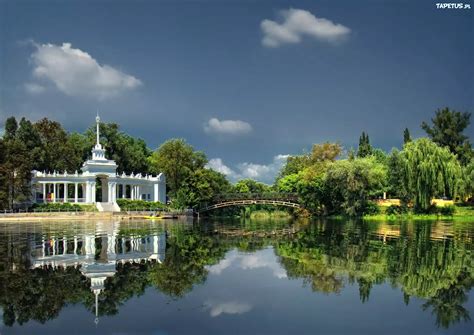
(10, 128)
(396, 174)
(201, 187)
(430, 170)
(177, 159)
(250, 186)
(466, 185)
(353, 183)
(406, 136)
(448, 131)
(131, 154)
(365, 149)
(55, 154)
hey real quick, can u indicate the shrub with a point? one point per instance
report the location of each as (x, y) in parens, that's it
(447, 210)
(396, 210)
(138, 205)
(58, 207)
(371, 208)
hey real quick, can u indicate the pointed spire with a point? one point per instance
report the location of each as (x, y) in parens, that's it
(97, 120)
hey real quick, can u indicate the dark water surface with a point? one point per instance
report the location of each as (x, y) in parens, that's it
(236, 277)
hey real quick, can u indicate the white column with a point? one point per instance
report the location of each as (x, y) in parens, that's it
(44, 192)
(65, 192)
(54, 192)
(139, 196)
(132, 192)
(84, 195)
(114, 192)
(93, 190)
(155, 192)
(75, 193)
(33, 191)
(110, 197)
(85, 192)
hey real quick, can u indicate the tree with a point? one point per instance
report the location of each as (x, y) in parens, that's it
(365, 149)
(250, 186)
(466, 185)
(177, 160)
(406, 136)
(320, 155)
(294, 164)
(396, 175)
(202, 186)
(429, 170)
(10, 128)
(131, 154)
(447, 131)
(55, 154)
(353, 183)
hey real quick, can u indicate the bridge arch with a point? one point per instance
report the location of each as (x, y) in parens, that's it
(245, 199)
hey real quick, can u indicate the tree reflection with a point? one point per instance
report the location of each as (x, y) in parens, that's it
(418, 258)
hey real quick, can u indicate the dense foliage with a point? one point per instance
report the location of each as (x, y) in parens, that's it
(327, 179)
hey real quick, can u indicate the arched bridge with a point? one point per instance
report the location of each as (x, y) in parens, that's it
(244, 199)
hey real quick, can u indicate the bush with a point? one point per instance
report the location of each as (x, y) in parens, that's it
(396, 210)
(58, 207)
(371, 208)
(447, 210)
(138, 205)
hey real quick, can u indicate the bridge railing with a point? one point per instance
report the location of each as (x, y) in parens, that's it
(255, 196)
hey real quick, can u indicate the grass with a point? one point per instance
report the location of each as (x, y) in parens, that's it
(462, 213)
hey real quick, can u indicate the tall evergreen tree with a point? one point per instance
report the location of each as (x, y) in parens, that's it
(11, 127)
(365, 149)
(448, 131)
(406, 136)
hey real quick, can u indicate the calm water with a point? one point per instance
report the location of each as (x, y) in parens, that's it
(244, 277)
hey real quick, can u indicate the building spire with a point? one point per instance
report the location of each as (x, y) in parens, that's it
(97, 120)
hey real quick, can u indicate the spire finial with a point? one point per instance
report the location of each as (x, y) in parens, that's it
(97, 120)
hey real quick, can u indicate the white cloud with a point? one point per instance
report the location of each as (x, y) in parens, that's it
(75, 73)
(227, 127)
(265, 173)
(229, 307)
(298, 23)
(263, 260)
(260, 259)
(34, 88)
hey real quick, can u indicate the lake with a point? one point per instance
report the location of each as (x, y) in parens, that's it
(236, 277)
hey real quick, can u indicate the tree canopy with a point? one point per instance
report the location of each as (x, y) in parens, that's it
(447, 130)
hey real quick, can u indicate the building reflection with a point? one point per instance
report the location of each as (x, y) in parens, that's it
(97, 253)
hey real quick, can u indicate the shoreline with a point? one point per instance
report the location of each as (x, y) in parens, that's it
(19, 217)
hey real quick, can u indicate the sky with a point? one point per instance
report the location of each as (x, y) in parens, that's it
(247, 82)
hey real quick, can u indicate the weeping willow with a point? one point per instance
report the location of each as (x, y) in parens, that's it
(429, 170)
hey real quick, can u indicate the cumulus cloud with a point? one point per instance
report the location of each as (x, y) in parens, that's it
(265, 173)
(227, 127)
(34, 88)
(229, 307)
(260, 259)
(218, 165)
(297, 23)
(76, 73)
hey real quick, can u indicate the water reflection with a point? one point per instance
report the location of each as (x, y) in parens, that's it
(101, 265)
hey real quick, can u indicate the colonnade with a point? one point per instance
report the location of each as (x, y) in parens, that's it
(111, 191)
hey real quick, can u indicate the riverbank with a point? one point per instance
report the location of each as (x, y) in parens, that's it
(461, 213)
(68, 216)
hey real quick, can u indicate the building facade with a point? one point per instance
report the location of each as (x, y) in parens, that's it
(98, 171)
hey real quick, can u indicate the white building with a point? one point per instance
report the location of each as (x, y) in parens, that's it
(57, 187)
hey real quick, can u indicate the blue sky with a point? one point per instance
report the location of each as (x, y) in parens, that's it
(248, 82)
